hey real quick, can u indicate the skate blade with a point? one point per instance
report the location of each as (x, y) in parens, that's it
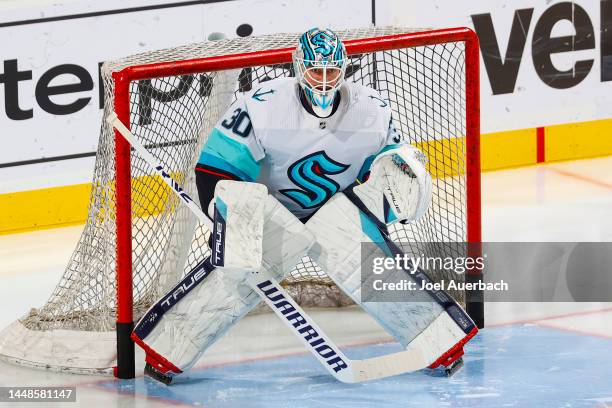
(443, 371)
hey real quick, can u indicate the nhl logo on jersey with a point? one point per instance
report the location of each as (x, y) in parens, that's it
(322, 124)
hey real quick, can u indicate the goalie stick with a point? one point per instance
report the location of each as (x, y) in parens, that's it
(315, 340)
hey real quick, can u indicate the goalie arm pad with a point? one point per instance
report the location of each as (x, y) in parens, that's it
(399, 187)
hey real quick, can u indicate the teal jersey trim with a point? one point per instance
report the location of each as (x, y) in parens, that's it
(370, 159)
(366, 167)
(227, 154)
(389, 147)
(214, 161)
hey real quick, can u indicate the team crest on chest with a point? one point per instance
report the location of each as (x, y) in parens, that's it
(310, 174)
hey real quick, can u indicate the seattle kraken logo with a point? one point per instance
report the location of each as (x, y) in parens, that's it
(310, 173)
(323, 43)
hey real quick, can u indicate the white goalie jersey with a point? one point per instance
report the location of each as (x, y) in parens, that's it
(268, 136)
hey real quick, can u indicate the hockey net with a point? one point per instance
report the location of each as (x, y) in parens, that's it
(171, 99)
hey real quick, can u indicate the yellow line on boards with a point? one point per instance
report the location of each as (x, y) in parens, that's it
(45, 208)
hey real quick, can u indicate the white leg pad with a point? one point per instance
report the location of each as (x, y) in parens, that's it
(200, 318)
(340, 229)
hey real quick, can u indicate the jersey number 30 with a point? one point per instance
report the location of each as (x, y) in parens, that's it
(237, 123)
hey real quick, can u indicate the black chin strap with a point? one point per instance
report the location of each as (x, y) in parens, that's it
(308, 107)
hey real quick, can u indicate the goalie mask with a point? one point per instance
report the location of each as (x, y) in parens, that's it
(320, 61)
